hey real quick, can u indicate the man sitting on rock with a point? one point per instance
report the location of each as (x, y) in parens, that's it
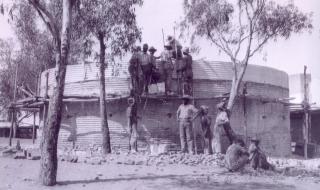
(237, 156)
(257, 158)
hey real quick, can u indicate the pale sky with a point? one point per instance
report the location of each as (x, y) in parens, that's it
(289, 55)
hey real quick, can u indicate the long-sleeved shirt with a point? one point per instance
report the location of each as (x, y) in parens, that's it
(145, 58)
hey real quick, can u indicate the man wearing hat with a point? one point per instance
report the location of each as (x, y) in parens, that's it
(153, 58)
(146, 67)
(167, 65)
(257, 158)
(135, 69)
(132, 115)
(187, 71)
(174, 43)
(205, 122)
(185, 115)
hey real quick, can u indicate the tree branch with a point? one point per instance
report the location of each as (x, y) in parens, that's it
(240, 31)
(260, 45)
(51, 25)
(217, 44)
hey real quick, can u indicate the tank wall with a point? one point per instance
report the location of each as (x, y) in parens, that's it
(209, 89)
(81, 124)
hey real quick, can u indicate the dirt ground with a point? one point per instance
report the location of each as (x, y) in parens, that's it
(23, 174)
(123, 171)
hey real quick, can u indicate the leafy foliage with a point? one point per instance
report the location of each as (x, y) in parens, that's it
(115, 20)
(241, 28)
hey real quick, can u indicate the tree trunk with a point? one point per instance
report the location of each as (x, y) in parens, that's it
(106, 147)
(235, 86)
(49, 141)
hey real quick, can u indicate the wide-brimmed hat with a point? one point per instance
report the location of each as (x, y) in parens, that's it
(134, 48)
(221, 106)
(186, 50)
(204, 108)
(145, 45)
(254, 139)
(187, 97)
(130, 100)
(152, 49)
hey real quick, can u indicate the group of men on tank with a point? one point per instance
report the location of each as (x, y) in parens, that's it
(144, 70)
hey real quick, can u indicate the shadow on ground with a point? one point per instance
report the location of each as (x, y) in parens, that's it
(184, 182)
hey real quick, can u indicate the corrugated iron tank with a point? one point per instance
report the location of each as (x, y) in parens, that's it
(81, 123)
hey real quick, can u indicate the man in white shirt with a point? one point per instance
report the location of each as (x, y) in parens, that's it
(146, 66)
(185, 115)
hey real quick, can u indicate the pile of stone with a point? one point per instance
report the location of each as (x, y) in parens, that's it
(187, 159)
(166, 159)
(18, 153)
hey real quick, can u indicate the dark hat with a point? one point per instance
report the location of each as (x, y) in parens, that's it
(186, 50)
(152, 49)
(170, 38)
(130, 100)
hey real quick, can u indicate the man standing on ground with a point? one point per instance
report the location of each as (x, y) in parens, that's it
(185, 115)
(146, 67)
(132, 116)
(222, 126)
(167, 65)
(205, 121)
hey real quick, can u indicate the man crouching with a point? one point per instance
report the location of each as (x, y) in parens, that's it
(236, 156)
(258, 158)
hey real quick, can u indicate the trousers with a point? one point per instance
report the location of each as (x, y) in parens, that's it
(132, 124)
(217, 138)
(186, 140)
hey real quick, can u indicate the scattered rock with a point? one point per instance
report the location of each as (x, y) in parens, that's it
(27, 179)
(8, 152)
(19, 155)
(33, 154)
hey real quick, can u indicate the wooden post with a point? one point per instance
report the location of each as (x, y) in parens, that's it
(306, 113)
(33, 127)
(11, 127)
(12, 133)
(47, 85)
(244, 92)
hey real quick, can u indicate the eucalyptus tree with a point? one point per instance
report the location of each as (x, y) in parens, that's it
(113, 24)
(241, 28)
(61, 44)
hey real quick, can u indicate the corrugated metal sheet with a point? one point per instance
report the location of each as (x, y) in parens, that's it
(160, 126)
(83, 79)
(211, 70)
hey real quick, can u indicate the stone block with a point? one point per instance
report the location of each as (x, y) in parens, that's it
(20, 155)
